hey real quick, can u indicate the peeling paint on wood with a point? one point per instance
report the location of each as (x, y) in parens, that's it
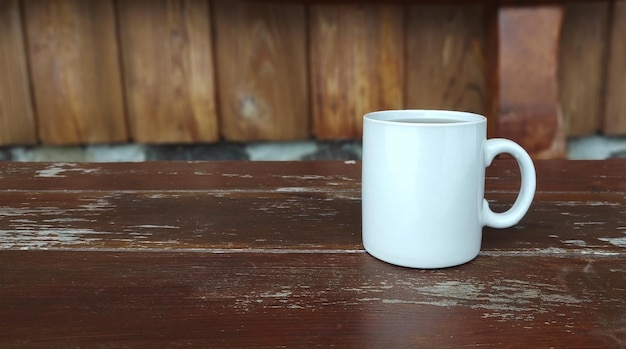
(359, 299)
(619, 242)
(256, 218)
(60, 169)
(270, 254)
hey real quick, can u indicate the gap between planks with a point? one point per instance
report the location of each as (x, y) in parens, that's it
(279, 190)
(544, 252)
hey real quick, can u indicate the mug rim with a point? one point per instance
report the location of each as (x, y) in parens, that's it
(392, 117)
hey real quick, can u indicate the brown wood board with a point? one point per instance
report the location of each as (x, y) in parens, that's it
(269, 254)
(75, 71)
(356, 65)
(503, 175)
(523, 78)
(445, 57)
(578, 207)
(464, 2)
(17, 120)
(261, 51)
(615, 112)
(168, 66)
(212, 220)
(582, 66)
(290, 299)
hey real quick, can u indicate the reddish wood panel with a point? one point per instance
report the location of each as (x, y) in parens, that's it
(168, 66)
(357, 65)
(523, 78)
(76, 78)
(445, 57)
(615, 114)
(582, 66)
(261, 51)
(17, 120)
(270, 299)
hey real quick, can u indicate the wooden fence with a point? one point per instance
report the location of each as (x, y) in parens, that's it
(163, 71)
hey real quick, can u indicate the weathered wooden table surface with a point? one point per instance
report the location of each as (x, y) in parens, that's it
(249, 254)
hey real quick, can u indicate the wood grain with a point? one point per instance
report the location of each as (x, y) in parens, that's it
(76, 78)
(312, 299)
(615, 113)
(492, 62)
(357, 65)
(571, 224)
(596, 177)
(445, 57)
(525, 93)
(261, 51)
(113, 206)
(241, 254)
(582, 66)
(17, 120)
(168, 66)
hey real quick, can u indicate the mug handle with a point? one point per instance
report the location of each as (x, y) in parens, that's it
(511, 217)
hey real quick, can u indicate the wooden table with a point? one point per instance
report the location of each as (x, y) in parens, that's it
(244, 254)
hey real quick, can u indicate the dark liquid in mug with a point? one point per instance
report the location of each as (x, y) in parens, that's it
(428, 121)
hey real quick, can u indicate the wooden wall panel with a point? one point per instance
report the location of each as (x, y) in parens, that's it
(582, 66)
(168, 66)
(357, 65)
(17, 121)
(615, 114)
(524, 81)
(445, 57)
(75, 71)
(262, 70)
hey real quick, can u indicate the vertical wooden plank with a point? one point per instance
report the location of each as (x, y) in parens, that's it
(75, 71)
(168, 66)
(492, 55)
(446, 58)
(17, 120)
(262, 68)
(615, 115)
(357, 65)
(526, 98)
(582, 67)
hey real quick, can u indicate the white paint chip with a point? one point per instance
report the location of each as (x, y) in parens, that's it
(619, 242)
(51, 172)
(154, 226)
(589, 223)
(579, 243)
(58, 170)
(292, 190)
(236, 175)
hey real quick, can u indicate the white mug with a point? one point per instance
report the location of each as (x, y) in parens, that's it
(423, 186)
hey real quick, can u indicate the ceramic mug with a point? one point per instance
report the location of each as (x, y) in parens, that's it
(423, 186)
